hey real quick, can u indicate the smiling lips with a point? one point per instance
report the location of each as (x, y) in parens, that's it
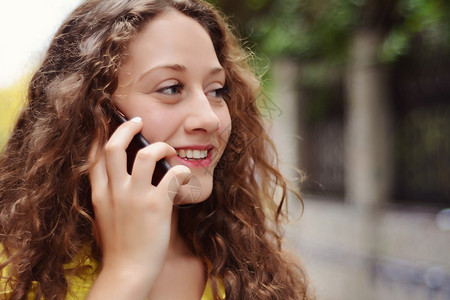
(195, 156)
(192, 154)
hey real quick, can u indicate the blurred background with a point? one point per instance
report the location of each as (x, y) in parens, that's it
(358, 95)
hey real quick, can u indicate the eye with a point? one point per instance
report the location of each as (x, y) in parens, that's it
(219, 93)
(171, 90)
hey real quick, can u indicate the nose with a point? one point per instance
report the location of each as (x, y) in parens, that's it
(201, 117)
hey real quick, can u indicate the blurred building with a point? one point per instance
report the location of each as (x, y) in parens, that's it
(376, 223)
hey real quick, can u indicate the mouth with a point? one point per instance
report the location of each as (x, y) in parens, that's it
(192, 154)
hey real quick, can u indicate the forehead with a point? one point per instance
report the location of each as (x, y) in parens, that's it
(172, 35)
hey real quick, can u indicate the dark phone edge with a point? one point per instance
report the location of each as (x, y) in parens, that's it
(161, 165)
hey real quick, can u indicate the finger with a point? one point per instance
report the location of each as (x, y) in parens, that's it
(115, 149)
(145, 162)
(99, 178)
(99, 192)
(97, 171)
(171, 183)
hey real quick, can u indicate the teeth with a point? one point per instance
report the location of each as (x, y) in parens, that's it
(192, 154)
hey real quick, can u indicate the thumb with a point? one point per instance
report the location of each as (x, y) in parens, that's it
(174, 179)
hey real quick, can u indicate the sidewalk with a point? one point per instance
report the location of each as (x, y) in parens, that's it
(355, 255)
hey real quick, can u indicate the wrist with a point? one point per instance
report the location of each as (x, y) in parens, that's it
(118, 282)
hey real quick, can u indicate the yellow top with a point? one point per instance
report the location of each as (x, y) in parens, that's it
(79, 287)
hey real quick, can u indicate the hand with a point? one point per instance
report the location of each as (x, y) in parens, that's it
(133, 217)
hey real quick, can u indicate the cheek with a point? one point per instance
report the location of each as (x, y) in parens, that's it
(225, 124)
(160, 124)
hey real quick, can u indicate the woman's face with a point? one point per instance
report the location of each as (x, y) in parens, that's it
(172, 79)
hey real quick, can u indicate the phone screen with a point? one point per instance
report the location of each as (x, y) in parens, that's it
(138, 142)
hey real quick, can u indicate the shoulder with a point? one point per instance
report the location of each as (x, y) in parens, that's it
(208, 294)
(79, 282)
(4, 273)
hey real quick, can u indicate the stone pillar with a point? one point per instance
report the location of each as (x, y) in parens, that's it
(369, 132)
(285, 116)
(368, 147)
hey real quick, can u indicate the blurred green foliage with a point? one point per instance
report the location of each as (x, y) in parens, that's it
(318, 34)
(428, 18)
(312, 29)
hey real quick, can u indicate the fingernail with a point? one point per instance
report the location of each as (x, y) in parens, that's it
(136, 120)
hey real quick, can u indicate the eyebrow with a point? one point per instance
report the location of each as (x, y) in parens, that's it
(177, 68)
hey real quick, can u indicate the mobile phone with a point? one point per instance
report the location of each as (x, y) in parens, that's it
(138, 142)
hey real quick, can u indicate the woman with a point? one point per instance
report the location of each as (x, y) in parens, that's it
(76, 224)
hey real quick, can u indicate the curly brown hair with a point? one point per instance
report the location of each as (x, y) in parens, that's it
(46, 215)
